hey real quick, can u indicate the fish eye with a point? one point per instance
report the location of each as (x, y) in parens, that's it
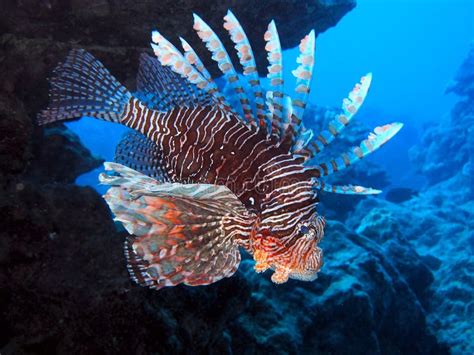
(304, 229)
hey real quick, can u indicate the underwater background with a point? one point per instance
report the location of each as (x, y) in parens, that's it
(399, 267)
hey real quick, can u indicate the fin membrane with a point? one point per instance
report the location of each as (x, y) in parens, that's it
(141, 154)
(181, 233)
(162, 89)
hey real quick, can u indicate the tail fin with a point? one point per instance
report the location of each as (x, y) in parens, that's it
(82, 86)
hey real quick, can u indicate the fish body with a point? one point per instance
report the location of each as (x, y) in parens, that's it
(213, 145)
(199, 178)
(205, 144)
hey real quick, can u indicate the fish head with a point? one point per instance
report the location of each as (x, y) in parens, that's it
(306, 258)
(299, 257)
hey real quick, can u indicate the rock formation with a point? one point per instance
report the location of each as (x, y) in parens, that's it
(392, 286)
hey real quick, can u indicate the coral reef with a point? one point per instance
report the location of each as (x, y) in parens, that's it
(361, 303)
(447, 147)
(392, 286)
(439, 222)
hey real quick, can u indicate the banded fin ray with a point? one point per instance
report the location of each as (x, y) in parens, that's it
(220, 55)
(82, 86)
(275, 76)
(193, 59)
(346, 189)
(247, 60)
(379, 137)
(169, 55)
(182, 233)
(303, 74)
(350, 106)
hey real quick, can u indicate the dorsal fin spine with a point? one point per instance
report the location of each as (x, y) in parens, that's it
(192, 57)
(247, 60)
(275, 76)
(303, 75)
(220, 55)
(350, 106)
(168, 55)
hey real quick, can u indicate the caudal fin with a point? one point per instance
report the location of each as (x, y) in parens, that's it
(82, 86)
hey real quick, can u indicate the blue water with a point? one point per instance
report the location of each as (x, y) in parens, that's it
(413, 49)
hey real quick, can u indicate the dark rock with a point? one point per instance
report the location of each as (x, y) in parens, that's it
(412, 267)
(67, 289)
(16, 132)
(60, 157)
(98, 23)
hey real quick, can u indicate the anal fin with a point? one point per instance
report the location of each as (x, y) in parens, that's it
(141, 154)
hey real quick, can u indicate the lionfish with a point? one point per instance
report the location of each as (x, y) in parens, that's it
(206, 172)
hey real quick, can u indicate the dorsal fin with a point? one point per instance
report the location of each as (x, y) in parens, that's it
(275, 75)
(247, 60)
(162, 89)
(303, 75)
(379, 137)
(168, 55)
(350, 106)
(149, 88)
(220, 55)
(193, 59)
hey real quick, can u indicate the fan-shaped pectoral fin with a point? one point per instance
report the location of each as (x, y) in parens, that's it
(180, 233)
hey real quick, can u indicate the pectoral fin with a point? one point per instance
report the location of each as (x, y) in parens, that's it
(181, 233)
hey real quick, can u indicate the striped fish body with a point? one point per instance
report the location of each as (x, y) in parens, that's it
(199, 178)
(214, 146)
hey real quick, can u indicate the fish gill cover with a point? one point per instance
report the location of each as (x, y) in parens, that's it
(385, 285)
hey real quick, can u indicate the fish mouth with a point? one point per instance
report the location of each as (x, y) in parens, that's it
(309, 268)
